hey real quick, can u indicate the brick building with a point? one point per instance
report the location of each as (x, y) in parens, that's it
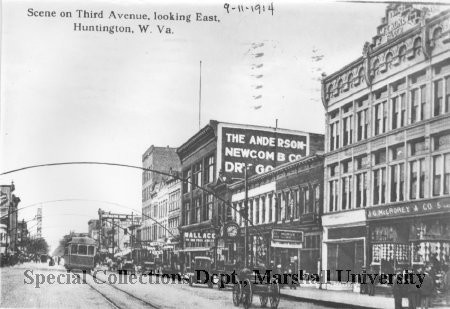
(387, 162)
(218, 155)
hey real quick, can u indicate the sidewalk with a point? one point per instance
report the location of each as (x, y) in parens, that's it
(346, 299)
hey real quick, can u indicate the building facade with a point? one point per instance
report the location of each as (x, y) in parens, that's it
(9, 217)
(216, 156)
(387, 162)
(164, 159)
(285, 206)
(93, 228)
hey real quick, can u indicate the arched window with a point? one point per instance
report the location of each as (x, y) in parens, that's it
(361, 75)
(330, 90)
(339, 86)
(376, 67)
(350, 81)
(389, 60)
(417, 46)
(437, 33)
(402, 53)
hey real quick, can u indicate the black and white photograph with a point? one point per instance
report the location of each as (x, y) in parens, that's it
(224, 154)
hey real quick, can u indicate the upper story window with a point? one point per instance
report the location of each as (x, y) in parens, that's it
(437, 33)
(398, 113)
(402, 54)
(397, 152)
(209, 169)
(380, 117)
(376, 67)
(417, 147)
(361, 75)
(417, 47)
(347, 123)
(339, 87)
(334, 130)
(187, 185)
(379, 156)
(350, 81)
(441, 96)
(197, 179)
(389, 61)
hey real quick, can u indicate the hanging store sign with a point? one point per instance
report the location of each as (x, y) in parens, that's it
(408, 209)
(261, 150)
(287, 236)
(198, 236)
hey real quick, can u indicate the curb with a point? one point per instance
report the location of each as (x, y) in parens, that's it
(326, 303)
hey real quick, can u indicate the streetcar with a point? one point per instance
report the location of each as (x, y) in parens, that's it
(79, 254)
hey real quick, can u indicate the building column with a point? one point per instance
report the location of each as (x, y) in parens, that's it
(266, 206)
(274, 206)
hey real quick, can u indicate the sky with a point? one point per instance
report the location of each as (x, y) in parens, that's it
(93, 96)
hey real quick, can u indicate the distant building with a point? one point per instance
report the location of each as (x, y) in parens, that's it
(93, 228)
(163, 159)
(387, 162)
(9, 214)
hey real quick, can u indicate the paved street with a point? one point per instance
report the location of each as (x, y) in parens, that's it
(16, 294)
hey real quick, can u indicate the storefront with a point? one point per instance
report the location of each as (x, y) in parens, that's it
(198, 243)
(410, 234)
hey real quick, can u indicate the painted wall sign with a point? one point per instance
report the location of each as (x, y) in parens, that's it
(262, 149)
(407, 209)
(193, 236)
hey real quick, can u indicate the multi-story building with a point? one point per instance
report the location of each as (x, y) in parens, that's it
(387, 163)
(117, 232)
(163, 221)
(9, 213)
(220, 153)
(285, 205)
(164, 159)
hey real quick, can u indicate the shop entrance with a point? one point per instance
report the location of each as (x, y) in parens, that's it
(345, 256)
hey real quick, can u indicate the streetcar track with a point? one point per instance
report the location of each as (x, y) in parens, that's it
(112, 302)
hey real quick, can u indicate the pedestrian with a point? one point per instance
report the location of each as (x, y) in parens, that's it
(446, 283)
(371, 286)
(399, 291)
(427, 288)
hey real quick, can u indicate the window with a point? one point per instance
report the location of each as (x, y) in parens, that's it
(197, 210)
(334, 135)
(379, 186)
(402, 54)
(187, 213)
(333, 170)
(418, 147)
(350, 81)
(90, 250)
(376, 67)
(397, 152)
(417, 46)
(361, 190)
(198, 174)
(339, 86)
(398, 111)
(414, 105)
(441, 174)
(82, 249)
(397, 182)
(208, 207)
(423, 101)
(348, 130)
(187, 186)
(333, 195)
(209, 169)
(74, 249)
(380, 118)
(361, 162)
(437, 33)
(363, 124)
(346, 192)
(361, 75)
(417, 179)
(316, 199)
(306, 200)
(379, 156)
(389, 60)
